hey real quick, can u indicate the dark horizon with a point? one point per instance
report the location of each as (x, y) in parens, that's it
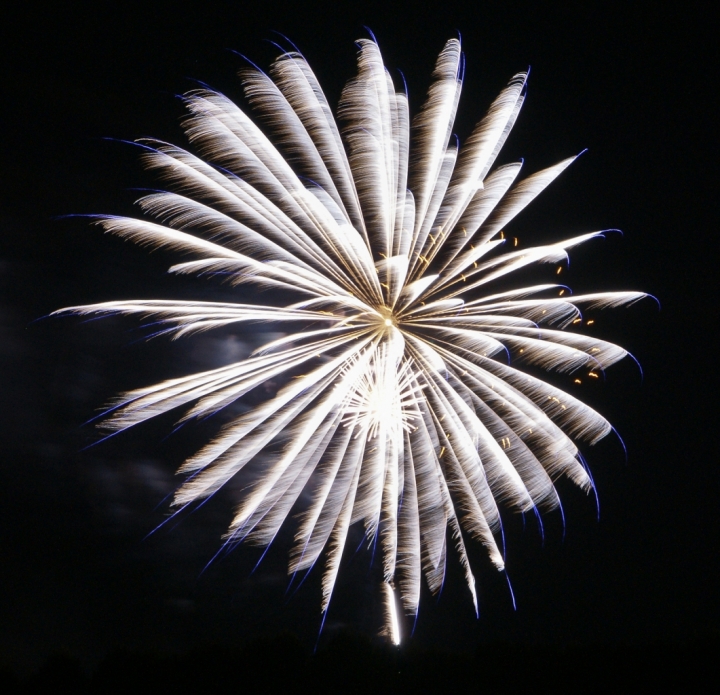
(84, 575)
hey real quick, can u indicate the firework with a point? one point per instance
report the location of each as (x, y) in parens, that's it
(407, 416)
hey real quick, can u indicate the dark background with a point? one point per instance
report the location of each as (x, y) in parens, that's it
(79, 577)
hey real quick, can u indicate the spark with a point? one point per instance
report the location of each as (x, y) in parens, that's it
(406, 423)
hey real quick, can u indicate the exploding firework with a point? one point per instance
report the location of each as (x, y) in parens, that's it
(407, 416)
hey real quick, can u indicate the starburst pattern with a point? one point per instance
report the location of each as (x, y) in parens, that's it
(407, 416)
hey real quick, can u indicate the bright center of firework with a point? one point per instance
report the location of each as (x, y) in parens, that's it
(385, 397)
(387, 319)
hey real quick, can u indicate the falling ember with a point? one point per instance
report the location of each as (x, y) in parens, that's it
(389, 237)
(391, 620)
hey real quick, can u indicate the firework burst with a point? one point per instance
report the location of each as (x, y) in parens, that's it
(388, 235)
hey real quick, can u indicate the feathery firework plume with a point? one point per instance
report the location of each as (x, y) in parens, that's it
(387, 234)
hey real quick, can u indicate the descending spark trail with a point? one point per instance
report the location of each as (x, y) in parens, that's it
(387, 233)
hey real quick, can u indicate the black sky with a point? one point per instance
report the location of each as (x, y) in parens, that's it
(635, 87)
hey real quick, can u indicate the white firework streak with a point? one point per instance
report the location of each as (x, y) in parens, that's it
(402, 417)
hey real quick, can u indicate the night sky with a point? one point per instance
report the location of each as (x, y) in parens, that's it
(79, 573)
